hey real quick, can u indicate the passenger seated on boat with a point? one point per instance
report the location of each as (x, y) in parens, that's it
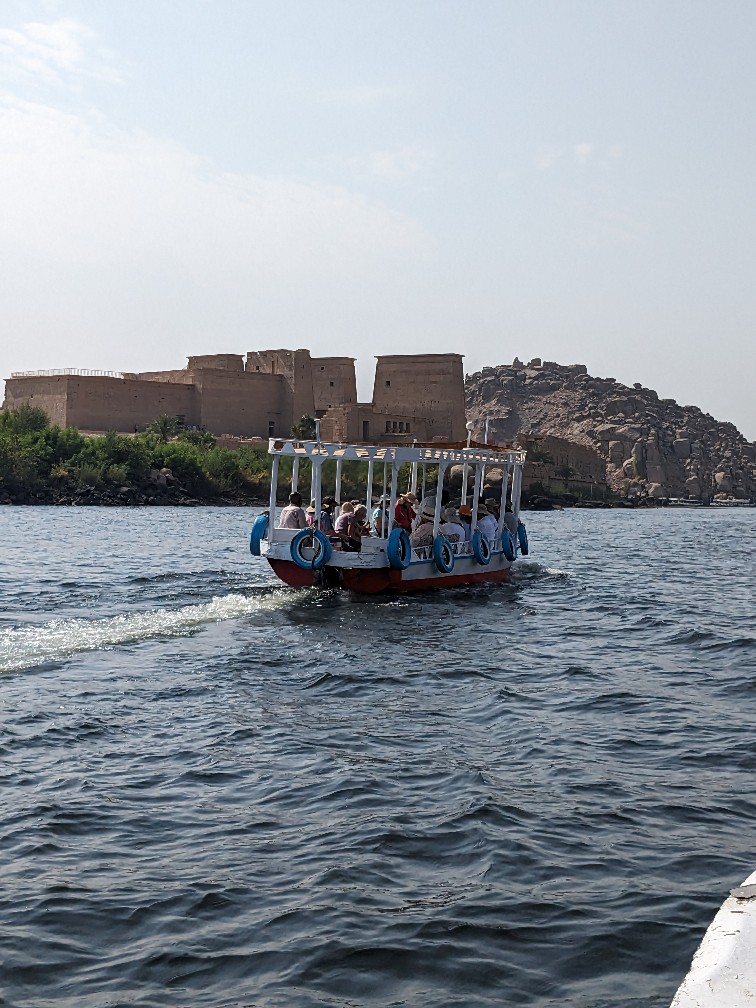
(292, 516)
(423, 533)
(465, 520)
(310, 512)
(379, 515)
(349, 529)
(404, 511)
(487, 523)
(360, 517)
(494, 507)
(326, 515)
(451, 528)
(510, 519)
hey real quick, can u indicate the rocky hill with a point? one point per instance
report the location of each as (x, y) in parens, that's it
(652, 446)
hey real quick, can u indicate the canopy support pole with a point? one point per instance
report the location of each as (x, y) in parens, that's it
(503, 500)
(337, 493)
(439, 487)
(272, 504)
(476, 497)
(392, 502)
(369, 495)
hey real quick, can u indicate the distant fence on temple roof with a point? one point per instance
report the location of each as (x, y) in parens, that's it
(66, 371)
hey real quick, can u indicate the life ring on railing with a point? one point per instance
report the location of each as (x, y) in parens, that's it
(481, 548)
(507, 545)
(399, 549)
(258, 533)
(443, 554)
(522, 536)
(310, 539)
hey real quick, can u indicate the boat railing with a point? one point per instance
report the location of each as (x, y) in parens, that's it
(322, 451)
(423, 466)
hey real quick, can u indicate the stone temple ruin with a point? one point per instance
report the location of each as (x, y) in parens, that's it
(261, 395)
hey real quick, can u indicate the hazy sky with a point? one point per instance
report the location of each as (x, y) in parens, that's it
(569, 180)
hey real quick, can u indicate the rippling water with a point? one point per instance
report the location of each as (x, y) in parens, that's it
(217, 791)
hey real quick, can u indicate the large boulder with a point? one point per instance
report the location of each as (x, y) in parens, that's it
(723, 481)
(681, 447)
(655, 473)
(616, 452)
(693, 486)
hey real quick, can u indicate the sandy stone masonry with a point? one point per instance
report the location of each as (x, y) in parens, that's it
(261, 395)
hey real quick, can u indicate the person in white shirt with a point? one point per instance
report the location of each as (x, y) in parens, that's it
(451, 528)
(423, 532)
(293, 516)
(487, 523)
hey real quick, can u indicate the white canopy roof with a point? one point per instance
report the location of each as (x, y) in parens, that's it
(429, 454)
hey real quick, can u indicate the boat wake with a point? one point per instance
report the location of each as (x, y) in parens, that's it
(24, 647)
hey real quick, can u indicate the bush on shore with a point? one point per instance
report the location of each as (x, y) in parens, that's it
(41, 462)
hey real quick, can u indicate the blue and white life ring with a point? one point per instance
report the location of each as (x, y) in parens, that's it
(480, 547)
(399, 549)
(507, 545)
(522, 537)
(443, 554)
(258, 533)
(310, 539)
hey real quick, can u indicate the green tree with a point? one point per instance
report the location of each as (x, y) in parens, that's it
(304, 429)
(198, 438)
(25, 420)
(165, 427)
(537, 453)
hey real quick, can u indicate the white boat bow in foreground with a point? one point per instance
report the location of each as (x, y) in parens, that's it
(723, 971)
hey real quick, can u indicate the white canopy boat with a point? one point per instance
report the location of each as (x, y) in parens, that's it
(386, 561)
(723, 971)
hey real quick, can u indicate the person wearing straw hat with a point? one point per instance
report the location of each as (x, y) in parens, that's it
(493, 507)
(326, 515)
(465, 520)
(487, 523)
(404, 511)
(451, 528)
(423, 533)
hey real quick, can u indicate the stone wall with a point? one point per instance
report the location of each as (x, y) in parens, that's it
(362, 423)
(417, 397)
(121, 404)
(432, 383)
(49, 393)
(333, 383)
(243, 403)
(217, 362)
(295, 366)
(97, 403)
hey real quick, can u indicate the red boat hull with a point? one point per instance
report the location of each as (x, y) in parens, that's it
(384, 579)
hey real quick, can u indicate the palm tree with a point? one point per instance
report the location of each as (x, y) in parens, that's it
(165, 427)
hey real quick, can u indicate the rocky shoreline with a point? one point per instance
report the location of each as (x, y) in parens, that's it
(175, 496)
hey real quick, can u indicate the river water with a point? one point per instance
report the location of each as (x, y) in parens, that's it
(217, 791)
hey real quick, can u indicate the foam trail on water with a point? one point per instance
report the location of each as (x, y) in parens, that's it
(23, 647)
